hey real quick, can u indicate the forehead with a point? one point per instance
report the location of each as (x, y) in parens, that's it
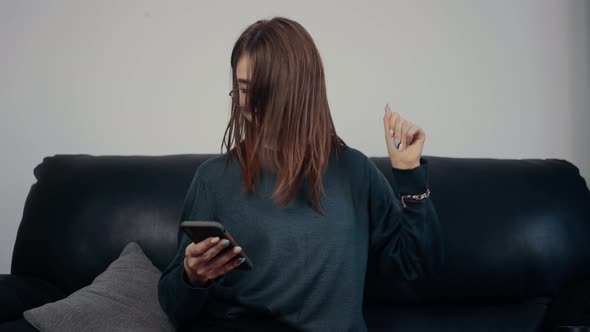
(243, 68)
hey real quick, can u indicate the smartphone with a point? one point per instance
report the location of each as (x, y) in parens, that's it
(200, 230)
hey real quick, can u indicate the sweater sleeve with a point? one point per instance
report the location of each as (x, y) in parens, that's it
(404, 242)
(182, 302)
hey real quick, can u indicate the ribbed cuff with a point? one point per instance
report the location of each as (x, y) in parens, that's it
(411, 181)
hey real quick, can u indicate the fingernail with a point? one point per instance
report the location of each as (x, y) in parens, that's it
(237, 249)
(401, 146)
(395, 142)
(391, 132)
(386, 106)
(225, 242)
(407, 141)
(242, 260)
(214, 240)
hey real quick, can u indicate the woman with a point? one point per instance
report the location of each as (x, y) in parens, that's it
(308, 210)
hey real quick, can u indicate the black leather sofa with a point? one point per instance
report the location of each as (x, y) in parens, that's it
(516, 233)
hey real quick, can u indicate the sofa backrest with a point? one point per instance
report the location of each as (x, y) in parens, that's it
(512, 229)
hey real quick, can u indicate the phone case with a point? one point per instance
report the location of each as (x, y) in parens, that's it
(200, 230)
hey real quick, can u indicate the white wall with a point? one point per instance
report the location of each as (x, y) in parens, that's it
(502, 79)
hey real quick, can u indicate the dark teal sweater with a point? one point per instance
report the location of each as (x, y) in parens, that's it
(309, 270)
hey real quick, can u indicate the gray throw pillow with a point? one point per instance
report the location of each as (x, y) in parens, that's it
(122, 298)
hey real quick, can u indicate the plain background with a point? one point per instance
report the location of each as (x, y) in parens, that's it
(497, 79)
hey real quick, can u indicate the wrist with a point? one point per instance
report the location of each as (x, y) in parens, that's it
(190, 278)
(405, 166)
(411, 181)
(192, 281)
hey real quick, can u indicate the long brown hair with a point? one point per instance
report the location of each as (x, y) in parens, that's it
(286, 97)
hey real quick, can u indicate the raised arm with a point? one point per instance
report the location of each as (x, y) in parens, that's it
(405, 242)
(405, 235)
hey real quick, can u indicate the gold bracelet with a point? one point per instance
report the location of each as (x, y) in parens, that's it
(418, 197)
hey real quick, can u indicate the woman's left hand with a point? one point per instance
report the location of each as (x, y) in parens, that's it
(409, 137)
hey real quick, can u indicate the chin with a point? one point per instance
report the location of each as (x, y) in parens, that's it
(247, 115)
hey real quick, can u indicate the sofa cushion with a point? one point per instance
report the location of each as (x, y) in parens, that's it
(123, 297)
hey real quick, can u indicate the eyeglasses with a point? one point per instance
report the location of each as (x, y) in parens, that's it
(239, 98)
(233, 92)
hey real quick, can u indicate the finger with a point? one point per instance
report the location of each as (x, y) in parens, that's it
(224, 268)
(386, 118)
(410, 135)
(232, 264)
(420, 135)
(213, 251)
(386, 121)
(398, 131)
(197, 249)
(393, 119)
(191, 274)
(229, 265)
(220, 260)
(404, 131)
(192, 262)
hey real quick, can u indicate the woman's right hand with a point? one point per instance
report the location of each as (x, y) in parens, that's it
(201, 262)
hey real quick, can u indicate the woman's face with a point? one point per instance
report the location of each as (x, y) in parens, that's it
(243, 76)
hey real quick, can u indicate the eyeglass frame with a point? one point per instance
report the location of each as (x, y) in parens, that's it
(238, 89)
(232, 91)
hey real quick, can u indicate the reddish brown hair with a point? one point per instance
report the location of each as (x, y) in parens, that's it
(287, 93)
